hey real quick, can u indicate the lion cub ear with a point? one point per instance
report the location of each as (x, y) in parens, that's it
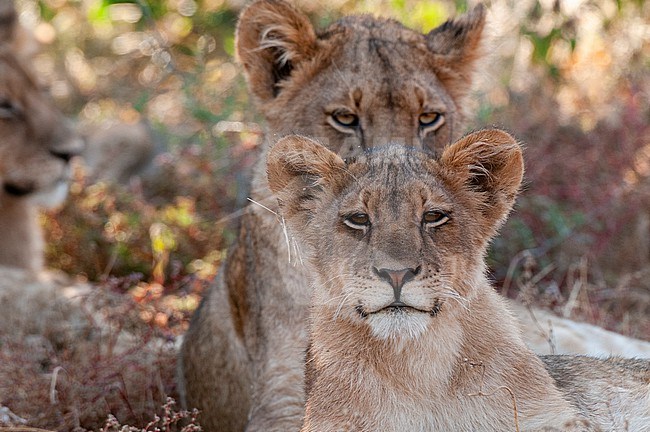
(490, 163)
(298, 168)
(456, 47)
(271, 39)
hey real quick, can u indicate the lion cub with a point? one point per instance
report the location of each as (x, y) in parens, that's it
(406, 332)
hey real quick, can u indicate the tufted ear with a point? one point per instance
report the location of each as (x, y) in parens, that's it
(271, 39)
(297, 169)
(7, 21)
(489, 163)
(456, 47)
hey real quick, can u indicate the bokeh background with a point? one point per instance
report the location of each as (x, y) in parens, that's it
(570, 79)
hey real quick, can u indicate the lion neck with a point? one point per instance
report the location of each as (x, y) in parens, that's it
(20, 234)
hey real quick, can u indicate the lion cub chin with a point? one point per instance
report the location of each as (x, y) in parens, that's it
(406, 331)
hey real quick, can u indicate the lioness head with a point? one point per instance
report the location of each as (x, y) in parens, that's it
(361, 82)
(36, 143)
(396, 236)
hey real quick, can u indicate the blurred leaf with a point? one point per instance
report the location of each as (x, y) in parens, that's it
(140, 103)
(204, 115)
(428, 16)
(98, 12)
(229, 45)
(542, 44)
(46, 12)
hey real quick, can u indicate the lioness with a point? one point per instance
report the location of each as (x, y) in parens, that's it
(406, 331)
(359, 83)
(35, 150)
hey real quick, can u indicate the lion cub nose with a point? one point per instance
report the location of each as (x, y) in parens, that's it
(397, 278)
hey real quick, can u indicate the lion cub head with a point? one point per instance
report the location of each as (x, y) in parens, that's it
(362, 82)
(396, 237)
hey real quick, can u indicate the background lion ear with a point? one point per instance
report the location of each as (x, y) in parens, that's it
(489, 162)
(456, 47)
(271, 39)
(7, 22)
(296, 168)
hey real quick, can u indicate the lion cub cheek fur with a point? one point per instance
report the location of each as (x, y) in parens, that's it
(463, 371)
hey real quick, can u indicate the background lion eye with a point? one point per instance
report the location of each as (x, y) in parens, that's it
(357, 220)
(346, 119)
(7, 109)
(431, 119)
(434, 218)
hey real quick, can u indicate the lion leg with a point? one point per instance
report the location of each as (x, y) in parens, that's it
(278, 391)
(276, 329)
(214, 369)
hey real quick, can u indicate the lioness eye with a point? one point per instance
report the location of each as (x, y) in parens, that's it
(431, 120)
(357, 221)
(7, 109)
(434, 218)
(346, 119)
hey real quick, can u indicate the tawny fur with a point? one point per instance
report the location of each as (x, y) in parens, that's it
(36, 145)
(241, 360)
(449, 356)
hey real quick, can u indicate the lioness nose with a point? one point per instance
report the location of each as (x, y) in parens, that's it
(397, 278)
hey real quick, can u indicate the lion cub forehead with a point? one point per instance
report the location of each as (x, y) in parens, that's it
(396, 157)
(397, 172)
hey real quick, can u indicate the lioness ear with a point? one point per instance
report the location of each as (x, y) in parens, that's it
(7, 21)
(297, 167)
(271, 39)
(489, 162)
(456, 47)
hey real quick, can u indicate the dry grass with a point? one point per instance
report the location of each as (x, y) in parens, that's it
(107, 360)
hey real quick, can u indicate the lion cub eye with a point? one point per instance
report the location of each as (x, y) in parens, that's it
(346, 119)
(434, 218)
(431, 120)
(360, 221)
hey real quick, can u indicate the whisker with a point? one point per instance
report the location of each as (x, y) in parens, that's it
(262, 205)
(296, 249)
(340, 306)
(286, 237)
(452, 294)
(322, 284)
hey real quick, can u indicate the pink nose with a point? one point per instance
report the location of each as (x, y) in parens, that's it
(397, 278)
